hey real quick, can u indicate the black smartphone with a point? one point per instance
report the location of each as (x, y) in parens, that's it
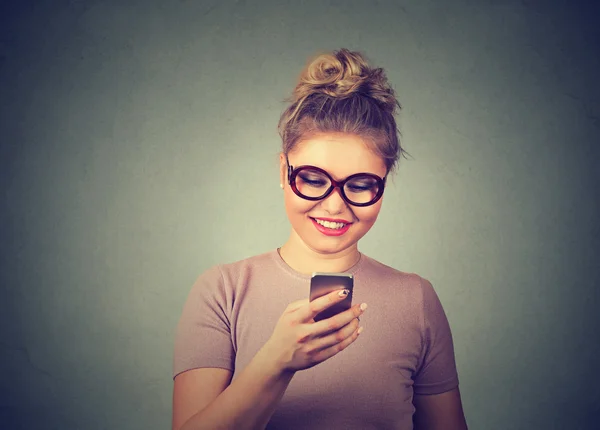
(324, 283)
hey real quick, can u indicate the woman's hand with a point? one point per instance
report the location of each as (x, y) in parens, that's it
(298, 342)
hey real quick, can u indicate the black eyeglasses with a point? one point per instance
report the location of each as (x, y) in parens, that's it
(314, 183)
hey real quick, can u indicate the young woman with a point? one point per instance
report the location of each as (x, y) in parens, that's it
(248, 353)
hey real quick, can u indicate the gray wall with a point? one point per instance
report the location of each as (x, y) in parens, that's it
(138, 148)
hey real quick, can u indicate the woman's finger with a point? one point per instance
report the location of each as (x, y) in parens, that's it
(337, 321)
(329, 352)
(319, 304)
(336, 337)
(294, 306)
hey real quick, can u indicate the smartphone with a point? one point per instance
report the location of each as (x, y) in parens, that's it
(324, 283)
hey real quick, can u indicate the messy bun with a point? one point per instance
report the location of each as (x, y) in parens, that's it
(340, 92)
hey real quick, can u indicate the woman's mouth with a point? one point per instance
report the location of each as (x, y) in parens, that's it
(329, 228)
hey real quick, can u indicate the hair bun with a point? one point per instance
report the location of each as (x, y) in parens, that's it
(343, 74)
(338, 92)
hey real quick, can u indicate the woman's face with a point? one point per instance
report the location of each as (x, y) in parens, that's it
(341, 155)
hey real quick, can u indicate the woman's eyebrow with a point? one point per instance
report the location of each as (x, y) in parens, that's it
(347, 176)
(336, 177)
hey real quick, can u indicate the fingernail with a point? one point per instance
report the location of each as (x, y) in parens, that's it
(363, 307)
(343, 293)
(360, 330)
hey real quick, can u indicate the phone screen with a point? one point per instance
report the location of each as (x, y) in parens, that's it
(325, 283)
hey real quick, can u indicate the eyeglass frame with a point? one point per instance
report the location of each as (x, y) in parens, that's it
(292, 173)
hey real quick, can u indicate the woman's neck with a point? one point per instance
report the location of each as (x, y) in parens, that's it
(304, 260)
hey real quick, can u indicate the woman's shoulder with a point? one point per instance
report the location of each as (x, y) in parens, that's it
(399, 286)
(226, 276)
(241, 264)
(384, 274)
(246, 269)
(218, 270)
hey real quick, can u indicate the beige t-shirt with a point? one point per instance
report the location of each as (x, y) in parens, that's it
(406, 345)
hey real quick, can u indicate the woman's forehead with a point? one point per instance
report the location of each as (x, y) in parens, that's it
(340, 154)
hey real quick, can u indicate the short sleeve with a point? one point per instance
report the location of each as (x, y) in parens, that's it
(437, 369)
(203, 335)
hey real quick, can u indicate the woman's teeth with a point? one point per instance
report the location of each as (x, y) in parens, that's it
(333, 225)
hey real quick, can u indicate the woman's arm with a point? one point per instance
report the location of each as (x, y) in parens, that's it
(439, 412)
(247, 403)
(195, 389)
(297, 343)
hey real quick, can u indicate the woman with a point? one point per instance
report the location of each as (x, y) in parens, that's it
(248, 353)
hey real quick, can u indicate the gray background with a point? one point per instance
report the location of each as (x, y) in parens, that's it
(139, 147)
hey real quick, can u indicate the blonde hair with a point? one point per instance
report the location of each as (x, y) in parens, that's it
(340, 92)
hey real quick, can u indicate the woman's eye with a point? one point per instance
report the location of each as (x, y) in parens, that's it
(359, 188)
(314, 183)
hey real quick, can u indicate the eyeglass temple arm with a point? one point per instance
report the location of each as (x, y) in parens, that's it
(290, 168)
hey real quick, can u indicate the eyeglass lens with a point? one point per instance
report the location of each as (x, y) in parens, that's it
(315, 184)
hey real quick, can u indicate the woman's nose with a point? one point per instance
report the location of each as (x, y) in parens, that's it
(334, 203)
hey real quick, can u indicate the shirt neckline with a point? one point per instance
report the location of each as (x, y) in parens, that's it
(286, 268)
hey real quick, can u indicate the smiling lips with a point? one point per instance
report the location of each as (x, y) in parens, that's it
(331, 228)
